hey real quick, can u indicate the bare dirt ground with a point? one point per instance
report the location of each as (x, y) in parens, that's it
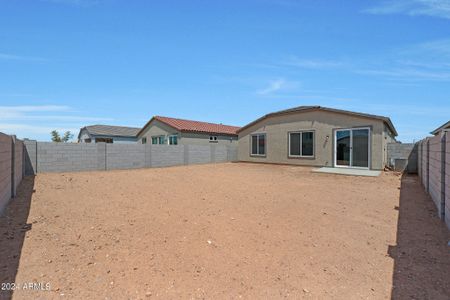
(223, 231)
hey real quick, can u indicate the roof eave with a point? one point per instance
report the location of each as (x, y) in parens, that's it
(285, 112)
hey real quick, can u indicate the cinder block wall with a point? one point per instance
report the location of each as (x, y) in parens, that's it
(447, 180)
(434, 171)
(400, 151)
(18, 164)
(125, 156)
(11, 167)
(61, 157)
(5, 169)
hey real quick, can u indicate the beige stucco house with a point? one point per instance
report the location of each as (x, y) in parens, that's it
(318, 136)
(173, 131)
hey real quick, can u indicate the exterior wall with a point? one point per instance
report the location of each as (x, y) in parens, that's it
(157, 128)
(58, 157)
(125, 156)
(447, 180)
(402, 157)
(434, 171)
(83, 136)
(116, 139)
(18, 164)
(203, 139)
(11, 168)
(30, 153)
(44, 157)
(323, 123)
(5, 169)
(388, 138)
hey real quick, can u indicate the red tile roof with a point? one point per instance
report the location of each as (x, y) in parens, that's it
(197, 126)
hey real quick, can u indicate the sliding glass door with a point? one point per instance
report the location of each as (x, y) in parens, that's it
(352, 147)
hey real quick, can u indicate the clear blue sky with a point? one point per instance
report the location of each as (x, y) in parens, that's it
(69, 63)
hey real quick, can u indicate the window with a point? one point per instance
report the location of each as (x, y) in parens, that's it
(144, 140)
(87, 140)
(158, 140)
(301, 144)
(104, 140)
(173, 140)
(213, 139)
(258, 144)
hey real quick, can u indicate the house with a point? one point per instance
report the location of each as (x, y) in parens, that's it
(445, 127)
(107, 134)
(172, 131)
(318, 136)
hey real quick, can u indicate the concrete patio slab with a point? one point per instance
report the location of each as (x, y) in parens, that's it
(350, 172)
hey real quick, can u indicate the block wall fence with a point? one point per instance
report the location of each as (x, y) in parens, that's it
(434, 171)
(12, 167)
(70, 157)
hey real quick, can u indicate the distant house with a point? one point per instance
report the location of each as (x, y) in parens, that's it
(318, 136)
(446, 126)
(108, 134)
(172, 131)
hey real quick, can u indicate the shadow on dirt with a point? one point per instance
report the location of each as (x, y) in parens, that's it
(13, 227)
(421, 256)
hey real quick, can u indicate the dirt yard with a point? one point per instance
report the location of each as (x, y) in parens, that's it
(223, 231)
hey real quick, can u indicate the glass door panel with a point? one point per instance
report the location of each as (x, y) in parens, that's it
(343, 147)
(360, 148)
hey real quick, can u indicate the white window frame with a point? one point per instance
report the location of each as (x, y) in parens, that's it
(369, 150)
(301, 144)
(257, 142)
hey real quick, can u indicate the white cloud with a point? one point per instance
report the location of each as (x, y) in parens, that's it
(278, 85)
(433, 8)
(295, 61)
(21, 110)
(7, 56)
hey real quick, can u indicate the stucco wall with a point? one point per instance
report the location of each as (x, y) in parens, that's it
(323, 123)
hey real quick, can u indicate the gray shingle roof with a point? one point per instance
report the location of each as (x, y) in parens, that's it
(316, 107)
(109, 130)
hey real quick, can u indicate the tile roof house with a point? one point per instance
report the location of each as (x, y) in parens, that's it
(173, 131)
(318, 136)
(108, 134)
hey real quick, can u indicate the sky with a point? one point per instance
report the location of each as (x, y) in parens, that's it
(65, 64)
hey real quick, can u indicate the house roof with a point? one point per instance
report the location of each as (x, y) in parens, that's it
(386, 120)
(108, 130)
(194, 126)
(437, 130)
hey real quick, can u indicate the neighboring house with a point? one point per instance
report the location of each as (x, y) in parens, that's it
(318, 136)
(171, 131)
(444, 127)
(107, 134)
